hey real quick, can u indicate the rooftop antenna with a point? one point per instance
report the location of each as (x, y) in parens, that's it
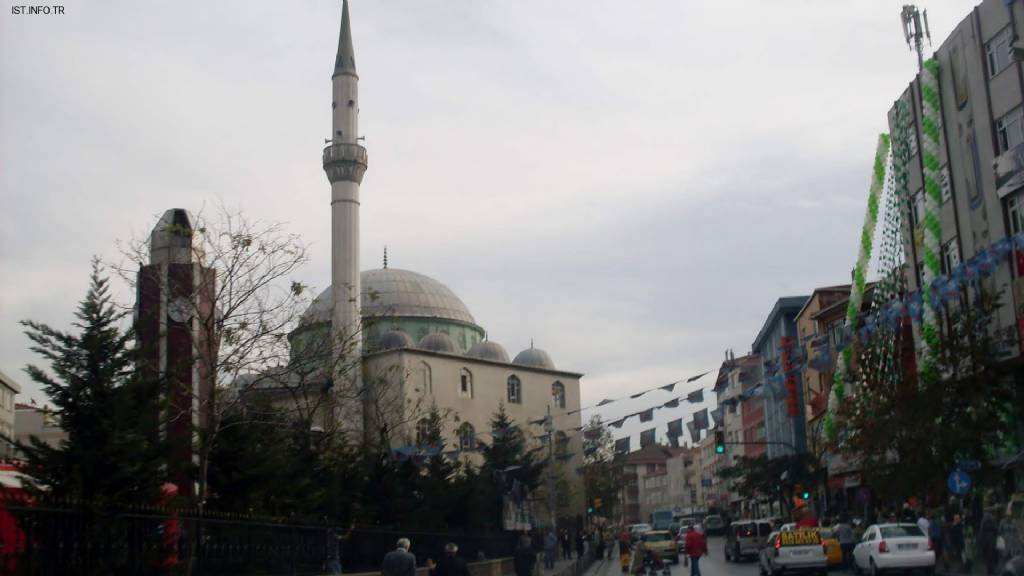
(914, 33)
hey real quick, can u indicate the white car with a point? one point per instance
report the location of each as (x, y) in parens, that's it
(793, 551)
(893, 547)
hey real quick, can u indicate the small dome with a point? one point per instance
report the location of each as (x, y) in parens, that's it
(438, 342)
(393, 339)
(488, 350)
(534, 357)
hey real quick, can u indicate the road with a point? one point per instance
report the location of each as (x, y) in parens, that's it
(713, 564)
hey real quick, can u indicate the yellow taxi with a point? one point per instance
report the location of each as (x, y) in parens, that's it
(661, 543)
(833, 552)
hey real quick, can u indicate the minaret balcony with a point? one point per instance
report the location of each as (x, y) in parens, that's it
(344, 161)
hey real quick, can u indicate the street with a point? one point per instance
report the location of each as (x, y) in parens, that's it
(713, 564)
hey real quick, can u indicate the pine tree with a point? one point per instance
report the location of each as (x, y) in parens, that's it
(110, 455)
(507, 460)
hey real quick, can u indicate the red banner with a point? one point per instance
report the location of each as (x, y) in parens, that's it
(792, 403)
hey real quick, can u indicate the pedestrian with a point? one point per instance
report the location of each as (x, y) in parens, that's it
(566, 545)
(550, 550)
(524, 558)
(923, 523)
(695, 547)
(450, 564)
(907, 516)
(988, 533)
(399, 562)
(334, 539)
(955, 539)
(579, 544)
(844, 532)
(937, 535)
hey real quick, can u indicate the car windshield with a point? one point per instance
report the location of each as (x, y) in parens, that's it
(657, 537)
(744, 530)
(764, 529)
(902, 531)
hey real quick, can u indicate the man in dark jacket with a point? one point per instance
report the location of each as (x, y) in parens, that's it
(399, 562)
(524, 558)
(450, 564)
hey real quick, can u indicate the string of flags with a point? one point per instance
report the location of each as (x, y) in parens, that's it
(667, 387)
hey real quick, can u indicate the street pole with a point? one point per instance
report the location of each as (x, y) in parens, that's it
(549, 428)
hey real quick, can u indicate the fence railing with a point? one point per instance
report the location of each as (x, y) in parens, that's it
(40, 539)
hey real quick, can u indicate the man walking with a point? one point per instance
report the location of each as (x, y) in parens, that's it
(844, 532)
(523, 559)
(550, 549)
(566, 545)
(695, 547)
(450, 564)
(399, 562)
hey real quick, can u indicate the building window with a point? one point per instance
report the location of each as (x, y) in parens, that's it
(950, 256)
(944, 181)
(465, 383)
(467, 437)
(558, 393)
(1010, 130)
(515, 390)
(998, 51)
(423, 378)
(422, 431)
(920, 273)
(561, 444)
(917, 208)
(1016, 213)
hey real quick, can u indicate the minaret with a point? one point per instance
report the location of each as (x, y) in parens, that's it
(345, 164)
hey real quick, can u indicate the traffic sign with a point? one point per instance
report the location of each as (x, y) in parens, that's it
(959, 482)
(968, 465)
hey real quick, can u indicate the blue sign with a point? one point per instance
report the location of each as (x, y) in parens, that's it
(959, 482)
(968, 465)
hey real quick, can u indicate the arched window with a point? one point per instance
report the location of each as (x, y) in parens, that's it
(467, 437)
(561, 444)
(423, 378)
(558, 393)
(465, 383)
(422, 431)
(515, 390)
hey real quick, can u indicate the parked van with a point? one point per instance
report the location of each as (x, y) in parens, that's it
(745, 538)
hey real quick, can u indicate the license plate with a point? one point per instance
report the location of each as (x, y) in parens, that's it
(907, 547)
(799, 552)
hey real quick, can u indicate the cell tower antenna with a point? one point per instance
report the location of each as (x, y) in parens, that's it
(927, 31)
(913, 32)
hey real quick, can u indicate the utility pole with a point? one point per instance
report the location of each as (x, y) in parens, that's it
(549, 428)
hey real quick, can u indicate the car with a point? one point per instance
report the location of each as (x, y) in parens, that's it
(793, 551)
(714, 525)
(636, 530)
(662, 543)
(834, 552)
(893, 547)
(745, 538)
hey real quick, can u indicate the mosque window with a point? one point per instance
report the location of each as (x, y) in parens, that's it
(515, 390)
(558, 393)
(422, 431)
(351, 103)
(424, 378)
(465, 383)
(467, 437)
(561, 444)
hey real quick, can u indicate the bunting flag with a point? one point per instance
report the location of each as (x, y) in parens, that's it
(647, 415)
(647, 438)
(718, 416)
(822, 361)
(695, 397)
(542, 420)
(775, 386)
(605, 402)
(669, 387)
(592, 433)
(675, 428)
(700, 419)
(622, 445)
(697, 377)
(771, 368)
(618, 423)
(673, 441)
(673, 403)
(638, 394)
(694, 433)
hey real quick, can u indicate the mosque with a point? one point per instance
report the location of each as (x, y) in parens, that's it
(417, 342)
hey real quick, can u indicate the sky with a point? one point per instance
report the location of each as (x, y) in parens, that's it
(630, 185)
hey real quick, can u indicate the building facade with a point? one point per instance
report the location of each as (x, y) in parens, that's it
(8, 390)
(782, 395)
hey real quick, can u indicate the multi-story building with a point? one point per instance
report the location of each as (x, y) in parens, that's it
(981, 160)
(648, 482)
(684, 480)
(42, 423)
(8, 390)
(782, 394)
(735, 376)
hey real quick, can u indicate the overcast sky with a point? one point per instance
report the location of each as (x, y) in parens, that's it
(630, 184)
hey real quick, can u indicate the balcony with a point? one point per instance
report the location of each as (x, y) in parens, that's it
(345, 162)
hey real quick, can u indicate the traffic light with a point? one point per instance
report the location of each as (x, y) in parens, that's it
(597, 502)
(719, 442)
(590, 510)
(806, 494)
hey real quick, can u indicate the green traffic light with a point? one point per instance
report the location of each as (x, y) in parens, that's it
(807, 495)
(590, 510)
(720, 449)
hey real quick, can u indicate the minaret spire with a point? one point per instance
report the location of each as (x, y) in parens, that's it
(345, 61)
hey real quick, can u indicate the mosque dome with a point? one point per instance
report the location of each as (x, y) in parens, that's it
(534, 357)
(392, 292)
(488, 350)
(393, 339)
(438, 342)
